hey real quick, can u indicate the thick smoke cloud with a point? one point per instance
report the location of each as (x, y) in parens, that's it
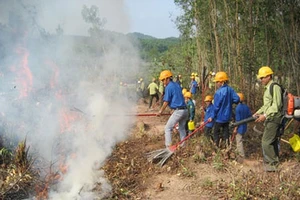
(61, 92)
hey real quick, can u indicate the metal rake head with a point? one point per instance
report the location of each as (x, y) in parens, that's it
(159, 156)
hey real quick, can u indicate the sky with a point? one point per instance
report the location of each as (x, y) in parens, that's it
(153, 17)
(150, 17)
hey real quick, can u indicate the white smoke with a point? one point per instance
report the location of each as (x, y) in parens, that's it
(61, 96)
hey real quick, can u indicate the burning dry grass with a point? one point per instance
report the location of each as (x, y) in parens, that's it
(214, 173)
(16, 175)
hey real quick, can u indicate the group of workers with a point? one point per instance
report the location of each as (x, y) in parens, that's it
(156, 89)
(195, 83)
(219, 113)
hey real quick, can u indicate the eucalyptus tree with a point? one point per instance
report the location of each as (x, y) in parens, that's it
(288, 51)
(240, 36)
(199, 49)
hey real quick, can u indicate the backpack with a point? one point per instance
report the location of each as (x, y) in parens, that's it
(290, 103)
(290, 107)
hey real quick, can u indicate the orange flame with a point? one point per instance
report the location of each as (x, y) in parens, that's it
(67, 118)
(24, 74)
(56, 73)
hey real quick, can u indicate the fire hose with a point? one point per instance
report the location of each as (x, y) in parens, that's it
(251, 119)
(244, 121)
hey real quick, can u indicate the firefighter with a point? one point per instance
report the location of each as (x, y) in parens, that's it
(242, 111)
(174, 99)
(224, 97)
(271, 114)
(209, 113)
(153, 91)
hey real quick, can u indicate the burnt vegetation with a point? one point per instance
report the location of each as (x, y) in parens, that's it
(130, 174)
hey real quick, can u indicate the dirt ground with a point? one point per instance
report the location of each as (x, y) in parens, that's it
(196, 171)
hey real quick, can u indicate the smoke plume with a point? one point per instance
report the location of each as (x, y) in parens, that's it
(61, 92)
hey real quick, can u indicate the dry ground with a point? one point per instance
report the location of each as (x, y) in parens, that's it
(196, 171)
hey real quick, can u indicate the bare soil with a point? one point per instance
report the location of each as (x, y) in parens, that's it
(196, 171)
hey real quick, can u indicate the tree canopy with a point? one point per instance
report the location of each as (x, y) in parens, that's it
(241, 36)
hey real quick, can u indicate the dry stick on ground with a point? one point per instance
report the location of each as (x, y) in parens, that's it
(17, 181)
(232, 176)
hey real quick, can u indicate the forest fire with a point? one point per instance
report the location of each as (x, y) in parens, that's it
(56, 98)
(67, 118)
(23, 74)
(54, 78)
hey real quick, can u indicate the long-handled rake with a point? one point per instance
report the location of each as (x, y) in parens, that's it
(147, 114)
(160, 156)
(138, 114)
(125, 114)
(229, 147)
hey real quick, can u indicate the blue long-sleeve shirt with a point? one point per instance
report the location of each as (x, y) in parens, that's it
(209, 113)
(242, 111)
(224, 97)
(193, 87)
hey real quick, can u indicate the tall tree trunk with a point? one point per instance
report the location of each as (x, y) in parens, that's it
(293, 38)
(213, 11)
(238, 48)
(197, 23)
(251, 85)
(267, 38)
(229, 43)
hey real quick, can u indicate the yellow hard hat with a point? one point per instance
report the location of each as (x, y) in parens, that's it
(184, 91)
(141, 79)
(221, 76)
(264, 71)
(208, 98)
(242, 98)
(188, 95)
(165, 74)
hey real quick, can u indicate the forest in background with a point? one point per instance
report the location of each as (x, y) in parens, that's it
(237, 37)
